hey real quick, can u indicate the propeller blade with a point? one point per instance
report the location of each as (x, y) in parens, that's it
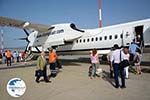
(26, 32)
(21, 39)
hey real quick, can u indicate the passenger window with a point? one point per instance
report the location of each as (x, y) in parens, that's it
(80, 40)
(105, 37)
(92, 39)
(88, 40)
(77, 41)
(110, 37)
(100, 38)
(84, 40)
(116, 36)
(96, 39)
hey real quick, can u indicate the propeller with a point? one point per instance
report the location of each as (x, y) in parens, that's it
(26, 38)
(29, 41)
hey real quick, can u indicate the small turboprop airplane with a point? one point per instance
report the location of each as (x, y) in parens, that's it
(69, 40)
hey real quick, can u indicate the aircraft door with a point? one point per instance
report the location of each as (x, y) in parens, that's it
(139, 35)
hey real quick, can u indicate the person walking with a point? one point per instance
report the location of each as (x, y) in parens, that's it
(41, 68)
(52, 62)
(115, 61)
(132, 50)
(94, 62)
(8, 55)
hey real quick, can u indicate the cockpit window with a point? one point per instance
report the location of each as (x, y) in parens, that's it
(75, 28)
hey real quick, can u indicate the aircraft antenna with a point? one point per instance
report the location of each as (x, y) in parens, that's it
(100, 12)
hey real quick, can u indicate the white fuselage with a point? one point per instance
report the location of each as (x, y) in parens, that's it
(76, 42)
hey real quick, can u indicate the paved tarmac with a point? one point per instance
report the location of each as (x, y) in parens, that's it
(73, 83)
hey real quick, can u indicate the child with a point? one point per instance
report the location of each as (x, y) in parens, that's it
(94, 62)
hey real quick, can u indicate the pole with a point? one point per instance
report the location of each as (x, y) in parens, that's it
(100, 12)
(2, 41)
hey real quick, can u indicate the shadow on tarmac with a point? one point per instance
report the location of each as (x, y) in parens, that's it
(145, 70)
(69, 62)
(106, 77)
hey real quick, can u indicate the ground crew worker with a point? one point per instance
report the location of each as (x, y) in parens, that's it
(8, 57)
(52, 62)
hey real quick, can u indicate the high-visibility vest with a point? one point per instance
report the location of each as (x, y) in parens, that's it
(8, 54)
(52, 57)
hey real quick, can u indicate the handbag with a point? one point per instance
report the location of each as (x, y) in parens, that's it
(123, 63)
(39, 73)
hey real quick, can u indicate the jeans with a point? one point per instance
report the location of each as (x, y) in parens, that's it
(118, 70)
(8, 61)
(53, 69)
(94, 67)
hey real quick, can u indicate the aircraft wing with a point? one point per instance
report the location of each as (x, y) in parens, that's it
(4, 21)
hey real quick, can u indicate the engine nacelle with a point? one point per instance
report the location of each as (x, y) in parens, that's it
(61, 34)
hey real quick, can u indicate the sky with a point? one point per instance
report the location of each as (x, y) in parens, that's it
(84, 13)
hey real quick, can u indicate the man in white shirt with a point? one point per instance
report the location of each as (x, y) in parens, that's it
(115, 60)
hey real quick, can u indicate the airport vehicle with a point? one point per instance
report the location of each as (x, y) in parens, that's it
(67, 39)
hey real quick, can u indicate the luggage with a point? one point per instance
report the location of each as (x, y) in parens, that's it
(39, 73)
